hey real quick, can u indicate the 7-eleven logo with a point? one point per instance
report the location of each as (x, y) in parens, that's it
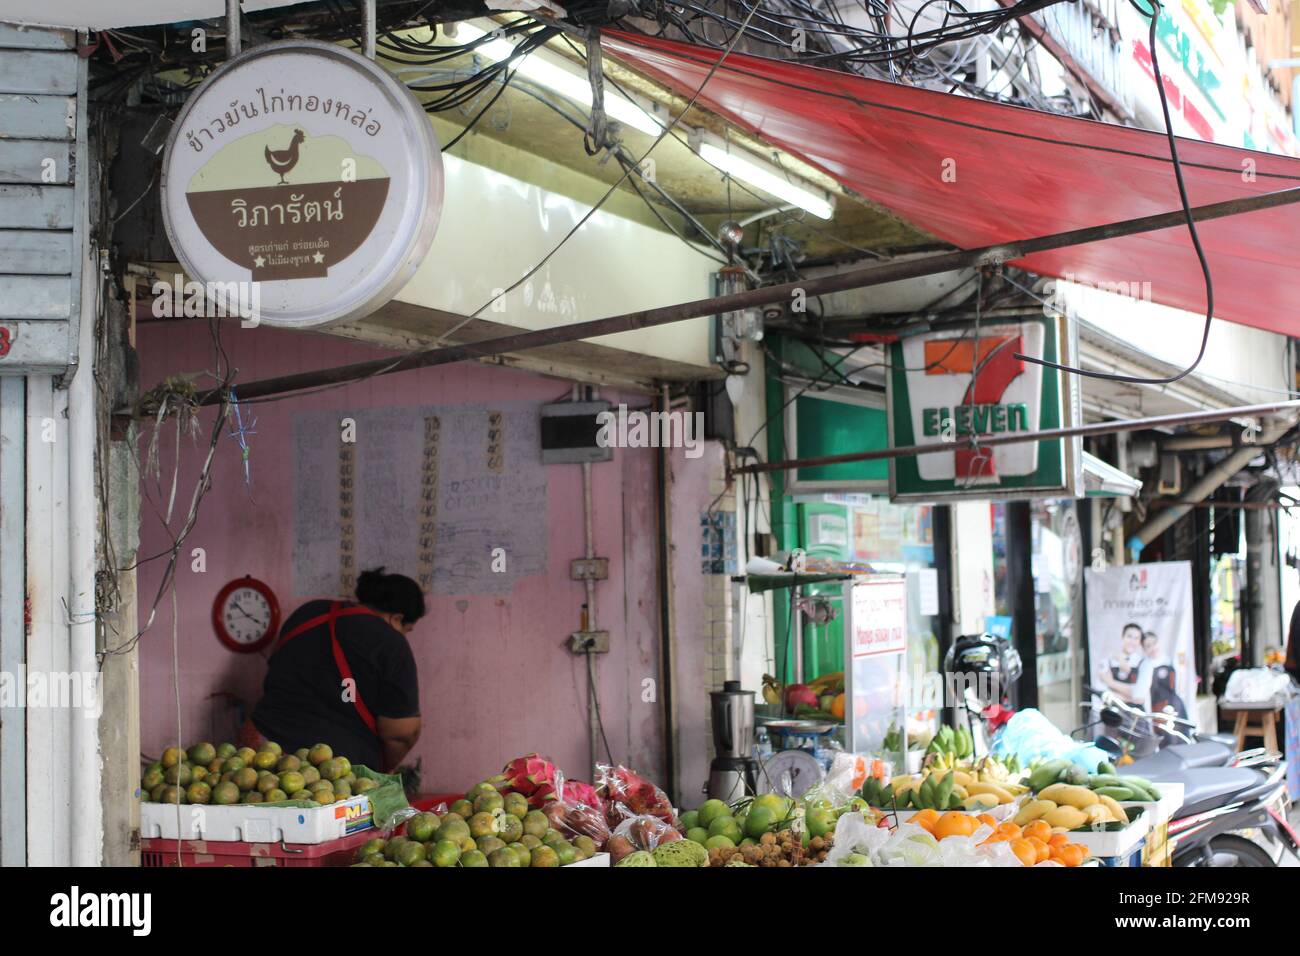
(990, 367)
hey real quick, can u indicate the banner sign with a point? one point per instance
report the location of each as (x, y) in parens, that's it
(308, 172)
(960, 384)
(1140, 641)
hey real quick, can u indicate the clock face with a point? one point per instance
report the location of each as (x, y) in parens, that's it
(246, 614)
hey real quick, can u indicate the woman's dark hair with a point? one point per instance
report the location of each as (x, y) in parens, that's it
(391, 593)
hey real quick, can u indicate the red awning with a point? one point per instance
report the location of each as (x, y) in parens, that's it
(1019, 173)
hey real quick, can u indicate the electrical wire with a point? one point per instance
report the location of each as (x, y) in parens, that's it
(609, 192)
(1191, 229)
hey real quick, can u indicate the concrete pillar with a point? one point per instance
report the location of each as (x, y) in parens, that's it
(1263, 584)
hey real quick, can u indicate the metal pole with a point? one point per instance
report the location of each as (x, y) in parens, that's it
(370, 29)
(1050, 434)
(876, 274)
(234, 43)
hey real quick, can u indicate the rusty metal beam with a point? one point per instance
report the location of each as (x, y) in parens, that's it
(871, 275)
(1050, 434)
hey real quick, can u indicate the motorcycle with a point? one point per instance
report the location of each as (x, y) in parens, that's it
(1234, 803)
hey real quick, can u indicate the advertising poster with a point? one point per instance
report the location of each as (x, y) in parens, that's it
(1140, 635)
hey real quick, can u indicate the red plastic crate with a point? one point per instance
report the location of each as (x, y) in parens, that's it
(158, 852)
(427, 801)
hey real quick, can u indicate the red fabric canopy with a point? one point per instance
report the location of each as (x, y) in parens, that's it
(1018, 173)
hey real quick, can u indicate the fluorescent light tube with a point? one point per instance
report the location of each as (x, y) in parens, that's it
(545, 72)
(757, 173)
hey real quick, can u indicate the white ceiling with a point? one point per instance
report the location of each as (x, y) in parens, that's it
(99, 14)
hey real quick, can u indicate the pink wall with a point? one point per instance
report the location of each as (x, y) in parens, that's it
(496, 680)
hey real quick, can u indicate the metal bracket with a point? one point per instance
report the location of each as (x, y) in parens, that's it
(589, 569)
(589, 642)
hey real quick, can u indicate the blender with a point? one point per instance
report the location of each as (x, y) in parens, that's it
(734, 771)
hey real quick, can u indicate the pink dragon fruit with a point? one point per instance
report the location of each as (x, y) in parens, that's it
(533, 776)
(578, 791)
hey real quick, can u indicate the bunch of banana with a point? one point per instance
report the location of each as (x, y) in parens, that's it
(1067, 807)
(931, 791)
(949, 741)
(1122, 787)
(992, 770)
(893, 740)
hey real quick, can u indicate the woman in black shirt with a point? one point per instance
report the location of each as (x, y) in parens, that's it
(343, 674)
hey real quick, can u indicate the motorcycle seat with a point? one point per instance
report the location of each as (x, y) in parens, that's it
(1204, 753)
(1209, 788)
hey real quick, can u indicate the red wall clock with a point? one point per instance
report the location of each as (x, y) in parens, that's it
(246, 615)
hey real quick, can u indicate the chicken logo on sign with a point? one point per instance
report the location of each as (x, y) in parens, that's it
(307, 172)
(321, 202)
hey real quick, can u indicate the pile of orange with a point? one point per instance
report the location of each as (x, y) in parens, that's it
(1034, 843)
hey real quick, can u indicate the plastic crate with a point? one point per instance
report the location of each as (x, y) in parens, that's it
(161, 852)
(425, 802)
(256, 823)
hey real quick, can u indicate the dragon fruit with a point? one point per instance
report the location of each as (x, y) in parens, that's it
(533, 776)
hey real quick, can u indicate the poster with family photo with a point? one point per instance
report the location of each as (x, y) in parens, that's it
(1140, 635)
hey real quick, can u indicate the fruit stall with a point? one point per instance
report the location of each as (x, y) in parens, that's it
(219, 805)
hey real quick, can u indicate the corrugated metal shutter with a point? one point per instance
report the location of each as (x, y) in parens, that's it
(42, 190)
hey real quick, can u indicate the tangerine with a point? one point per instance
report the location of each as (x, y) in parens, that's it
(1025, 851)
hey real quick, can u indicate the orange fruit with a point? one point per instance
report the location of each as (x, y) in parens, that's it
(1040, 829)
(926, 819)
(1025, 851)
(1011, 830)
(954, 823)
(1057, 839)
(1042, 849)
(1072, 854)
(988, 820)
(996, 838)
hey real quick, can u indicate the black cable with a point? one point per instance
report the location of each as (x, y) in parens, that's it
(1191, 229)
(479, 115)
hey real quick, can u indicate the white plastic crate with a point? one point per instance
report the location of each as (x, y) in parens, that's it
(255, 823)
(1114, 843)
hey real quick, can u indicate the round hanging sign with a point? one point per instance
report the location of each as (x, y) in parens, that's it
(308, 176)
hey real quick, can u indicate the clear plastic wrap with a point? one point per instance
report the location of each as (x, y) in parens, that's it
(573, 815)
(628, 795)
(643, 832)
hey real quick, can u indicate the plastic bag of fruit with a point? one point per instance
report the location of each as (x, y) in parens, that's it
(578, 811)
(856, 841)
(627, 794)
(642, 832)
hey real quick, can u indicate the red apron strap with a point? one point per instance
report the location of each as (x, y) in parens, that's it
(342, 662)
(337, 611)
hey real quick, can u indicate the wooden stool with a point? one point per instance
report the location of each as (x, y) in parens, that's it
(1264, 724)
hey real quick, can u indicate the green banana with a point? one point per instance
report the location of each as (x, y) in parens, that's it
(1117, 792)
(944, 790)
(927, 794)
(1106, 767)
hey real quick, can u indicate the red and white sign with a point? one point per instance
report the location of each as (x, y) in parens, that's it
(879, 617)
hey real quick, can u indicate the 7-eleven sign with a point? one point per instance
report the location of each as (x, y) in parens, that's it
(956, 387)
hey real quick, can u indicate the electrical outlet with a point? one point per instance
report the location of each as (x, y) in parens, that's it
(589, 569)
(580, 642)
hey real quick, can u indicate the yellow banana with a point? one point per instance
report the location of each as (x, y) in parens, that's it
(1071, 796)
(993, 789)
(1066, 816)
(902, 783)
(1116, 811)
(961, 778)
(961, 791)
(1032, 810)
(982, 801)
